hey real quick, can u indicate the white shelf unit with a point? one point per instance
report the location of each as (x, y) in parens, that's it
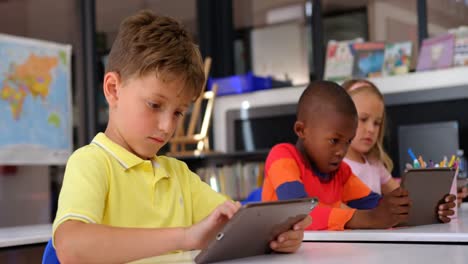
(444, 84)
(427, 80)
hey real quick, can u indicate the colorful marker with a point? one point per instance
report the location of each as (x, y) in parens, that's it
(443, 163)
(421, 162)
(412, 156)
(408, 166)
(452, 160)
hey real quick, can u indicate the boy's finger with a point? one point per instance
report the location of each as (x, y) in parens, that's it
(450, 198)
(444, 219)
(404, 192)
(233, 206)
(290, 235)
(446, 206)
(400, 210)
(287, 250)
(228, 209)
(400, 201)
(287, 246)
(399, 192)
(303, 224)
(445, 212)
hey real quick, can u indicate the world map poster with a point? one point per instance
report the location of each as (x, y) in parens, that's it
(35, 102)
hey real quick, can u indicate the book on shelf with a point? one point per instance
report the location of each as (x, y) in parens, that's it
(460, 57)
(252, 177)
(436, 53)
(339, 60)
(236, 180)
(397, 58)
(368, 59)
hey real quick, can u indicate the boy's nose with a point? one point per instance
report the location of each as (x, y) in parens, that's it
(165, 123)
(341, 152)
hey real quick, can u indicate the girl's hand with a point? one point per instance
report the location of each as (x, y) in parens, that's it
(445, 208)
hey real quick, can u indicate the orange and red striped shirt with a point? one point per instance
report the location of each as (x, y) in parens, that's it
(289, 176)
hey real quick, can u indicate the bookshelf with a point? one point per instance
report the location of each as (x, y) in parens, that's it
(221, 159)
(233, 174)
(417, 87)
(423, 81)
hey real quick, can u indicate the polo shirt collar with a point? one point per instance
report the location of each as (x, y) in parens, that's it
(123, 156)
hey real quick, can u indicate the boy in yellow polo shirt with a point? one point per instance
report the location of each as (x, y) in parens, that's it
(119, 201)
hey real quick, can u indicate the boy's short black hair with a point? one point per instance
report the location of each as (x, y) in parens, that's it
(320, 96)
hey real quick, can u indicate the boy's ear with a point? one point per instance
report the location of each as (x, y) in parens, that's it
(299, 129)
(111, 88)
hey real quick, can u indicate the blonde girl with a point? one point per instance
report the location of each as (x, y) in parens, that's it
(366, 155)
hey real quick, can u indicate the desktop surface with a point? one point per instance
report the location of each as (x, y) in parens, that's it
(25, 235)
(338, 253)
(455, 232)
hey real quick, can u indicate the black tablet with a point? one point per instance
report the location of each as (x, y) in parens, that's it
(426, 187)
(253, 227)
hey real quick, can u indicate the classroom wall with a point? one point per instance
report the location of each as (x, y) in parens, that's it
(108, 19)
(24, 196)
(35, 19)
(12, 17)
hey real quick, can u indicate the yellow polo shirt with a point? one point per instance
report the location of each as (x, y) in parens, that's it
(106, 184)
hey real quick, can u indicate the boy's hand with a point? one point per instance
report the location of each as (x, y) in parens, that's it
(291, 240)
(445, 208)
(392, 209)
(199, 235)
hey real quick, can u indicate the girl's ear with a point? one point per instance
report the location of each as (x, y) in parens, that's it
(111, 88)
(299, 129)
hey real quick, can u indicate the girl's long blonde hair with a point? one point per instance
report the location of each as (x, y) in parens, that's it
(377, 152)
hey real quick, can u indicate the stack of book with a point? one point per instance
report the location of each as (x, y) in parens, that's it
(358, 59)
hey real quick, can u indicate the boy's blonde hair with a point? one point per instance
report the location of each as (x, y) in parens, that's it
(377, 151)
(147, 43)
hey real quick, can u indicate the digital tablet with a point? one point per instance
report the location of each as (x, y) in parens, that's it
(253, 227)
(426, 187)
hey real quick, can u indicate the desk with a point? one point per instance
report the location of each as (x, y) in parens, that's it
(339, 253)
(25, 235)
(455, 232)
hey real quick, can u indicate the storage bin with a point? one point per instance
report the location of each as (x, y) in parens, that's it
(238, 84)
